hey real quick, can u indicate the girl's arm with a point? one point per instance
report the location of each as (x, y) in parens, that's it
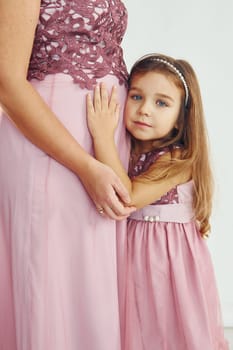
(34, 118)
(102, 116)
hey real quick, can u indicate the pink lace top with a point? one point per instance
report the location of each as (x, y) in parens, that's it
(81, 38)
(144, 162)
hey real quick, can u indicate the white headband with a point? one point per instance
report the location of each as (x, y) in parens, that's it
(170, 65)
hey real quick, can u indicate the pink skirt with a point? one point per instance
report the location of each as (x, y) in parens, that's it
(58, 259)
(172, 300)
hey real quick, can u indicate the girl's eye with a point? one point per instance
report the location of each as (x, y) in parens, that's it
(161, 103)
(136, 97)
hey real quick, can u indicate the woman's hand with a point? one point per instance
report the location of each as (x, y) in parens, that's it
(102, 113)
(106, 190)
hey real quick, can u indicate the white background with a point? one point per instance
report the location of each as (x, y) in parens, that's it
(200, 31)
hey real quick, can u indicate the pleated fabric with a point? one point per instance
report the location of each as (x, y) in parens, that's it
(172, 301)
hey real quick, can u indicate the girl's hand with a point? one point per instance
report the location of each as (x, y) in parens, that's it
(106, 191)
(102, 112)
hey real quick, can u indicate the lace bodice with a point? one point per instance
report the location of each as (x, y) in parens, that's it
(143, 163)
(81, 38)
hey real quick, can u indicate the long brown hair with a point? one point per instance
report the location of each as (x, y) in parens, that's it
(190, 132)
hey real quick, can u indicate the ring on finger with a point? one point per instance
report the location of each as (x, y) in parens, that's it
(101, 210)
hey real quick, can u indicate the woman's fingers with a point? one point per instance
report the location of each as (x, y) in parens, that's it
(107, 191)
(113, 207)
(108, 212)
(121, 192)
(116, 212)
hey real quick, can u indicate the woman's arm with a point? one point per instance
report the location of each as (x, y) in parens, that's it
(102, 116)
(34, 118)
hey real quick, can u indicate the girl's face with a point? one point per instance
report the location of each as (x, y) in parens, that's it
(152, 107)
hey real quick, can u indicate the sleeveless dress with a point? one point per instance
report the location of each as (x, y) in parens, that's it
(172, 301)
(58, 258)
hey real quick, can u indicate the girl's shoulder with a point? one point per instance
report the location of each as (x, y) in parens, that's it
(171, 150)
(141, 163)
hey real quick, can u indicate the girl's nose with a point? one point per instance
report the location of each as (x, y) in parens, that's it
(145, 109)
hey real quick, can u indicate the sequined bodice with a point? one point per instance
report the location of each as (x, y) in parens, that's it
(143, 163)
(81, 38)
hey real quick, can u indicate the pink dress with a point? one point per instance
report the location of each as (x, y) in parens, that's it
(58, 259)
(171, 300)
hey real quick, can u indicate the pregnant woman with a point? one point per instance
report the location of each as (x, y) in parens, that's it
(58, 205)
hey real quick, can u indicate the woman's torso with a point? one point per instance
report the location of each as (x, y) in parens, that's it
(81, 38)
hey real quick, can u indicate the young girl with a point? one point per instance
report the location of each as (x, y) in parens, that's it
(171, 298)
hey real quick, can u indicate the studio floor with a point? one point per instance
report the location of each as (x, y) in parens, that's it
(229, 336)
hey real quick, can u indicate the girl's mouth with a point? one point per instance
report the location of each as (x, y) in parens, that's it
(142, 124)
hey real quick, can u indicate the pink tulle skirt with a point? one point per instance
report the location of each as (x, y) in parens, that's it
(172, 301)
(58, 259)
